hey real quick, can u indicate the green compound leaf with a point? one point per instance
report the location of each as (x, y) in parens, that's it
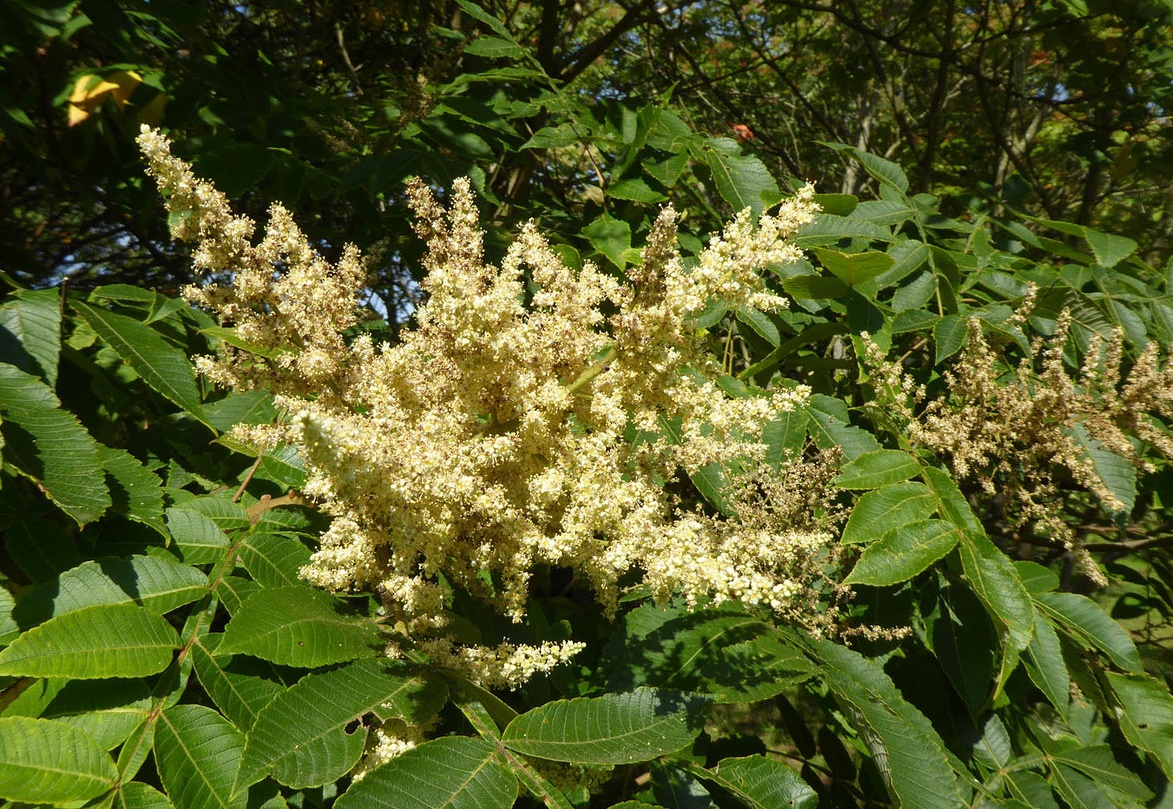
(762, 783)
(136, 491)
(873, 470)
(49, 445)
(157, 583)
(297, 626)
(30, 332)
(302, 734)
(612, 729)
(197, 753)
(109, 640)
(1145, 715)
(904, 552)
(161, 365)
(455, 772)
(43, 761)
(1086, 622)
(877, 513)
(906, 749)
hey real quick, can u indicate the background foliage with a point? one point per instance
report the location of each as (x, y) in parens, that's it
(158, 647)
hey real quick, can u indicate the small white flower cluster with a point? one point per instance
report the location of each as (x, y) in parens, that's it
(497, 435)
(506, 665)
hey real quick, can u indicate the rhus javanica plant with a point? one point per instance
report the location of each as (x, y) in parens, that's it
(727, 526)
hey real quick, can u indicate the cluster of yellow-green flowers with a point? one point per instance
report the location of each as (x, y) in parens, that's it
(516, 425)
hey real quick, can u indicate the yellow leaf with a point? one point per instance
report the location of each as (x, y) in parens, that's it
(90, 91)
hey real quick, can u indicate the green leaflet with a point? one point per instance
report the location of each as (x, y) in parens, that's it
(239, 686)
(49, 445)
(297, 626)
(1045, 665)
(904, 552)
(273, 560)
(723, 653)
(136, 492)
(108, 710)
(761, 783)
(854, 269)
(949, 334)
(611, 729)
(161, 365)
(197, 753)
(137, 795)
(30, 332)
(108, 640)
(878, 512)
(46, 761)
(454, 772)
(1145, 715)
(905, 748)
(302, 732)
(157, 583)
(743, 182)
(883, 170)
(1086, 622)
(198, 539)
(830, 426)
(881, 467)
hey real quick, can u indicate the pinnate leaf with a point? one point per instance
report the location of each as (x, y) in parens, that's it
(197, 753)
(109, 640)
(454, 772)
(297, 626)
(43, 761)
(611, 729)
(303, 733)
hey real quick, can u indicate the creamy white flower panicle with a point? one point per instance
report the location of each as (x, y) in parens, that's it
(496, 436)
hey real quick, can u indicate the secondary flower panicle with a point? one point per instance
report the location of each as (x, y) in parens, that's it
(497, 436)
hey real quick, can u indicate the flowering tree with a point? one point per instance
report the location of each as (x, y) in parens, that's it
(804, 513)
